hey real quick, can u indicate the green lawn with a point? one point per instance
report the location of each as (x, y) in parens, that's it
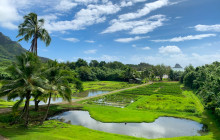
(150, 102)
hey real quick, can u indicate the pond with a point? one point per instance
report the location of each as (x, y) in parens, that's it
(163, 127)
(89, 93)
(53, 100)
(60, 100)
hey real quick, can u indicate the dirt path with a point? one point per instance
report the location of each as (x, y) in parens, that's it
(112, 92)
(6, 110)
(3, 138)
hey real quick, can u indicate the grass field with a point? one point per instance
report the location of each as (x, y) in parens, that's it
(106, 85)
(148, 103)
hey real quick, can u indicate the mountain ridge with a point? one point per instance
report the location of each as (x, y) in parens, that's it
(10, 49)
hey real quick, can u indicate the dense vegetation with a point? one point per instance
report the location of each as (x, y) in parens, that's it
(205, 80)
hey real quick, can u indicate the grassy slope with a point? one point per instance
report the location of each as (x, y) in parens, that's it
(57, 130)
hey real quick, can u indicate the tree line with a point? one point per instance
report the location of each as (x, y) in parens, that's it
(205, 80)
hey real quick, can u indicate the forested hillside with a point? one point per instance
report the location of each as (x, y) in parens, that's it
(8, 48)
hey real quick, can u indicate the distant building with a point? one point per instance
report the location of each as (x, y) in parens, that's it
(135, 81)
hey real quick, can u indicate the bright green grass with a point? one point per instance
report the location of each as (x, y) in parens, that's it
(106, 85)
(167, 103)
(6, 104)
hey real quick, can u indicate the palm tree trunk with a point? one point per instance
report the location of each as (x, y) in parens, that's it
(35, 45)
(36, 105)
(26, 116)
(48, 106)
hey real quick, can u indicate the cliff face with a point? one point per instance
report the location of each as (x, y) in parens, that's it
(177, 66)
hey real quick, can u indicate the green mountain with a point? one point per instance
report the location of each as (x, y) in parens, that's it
(9, 49)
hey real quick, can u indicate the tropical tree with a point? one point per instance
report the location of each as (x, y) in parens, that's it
(32, 28)
(57, 84)
(25, 81)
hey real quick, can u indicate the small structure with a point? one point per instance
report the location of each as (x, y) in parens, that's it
(135, 81)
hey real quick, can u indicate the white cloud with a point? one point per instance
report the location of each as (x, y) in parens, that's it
(146, 48)
(185, 38)
(146, 10)
(8, 14)
(134, 46)
(93, 14)
(126, 40)
(65, 5)
(90, 51)
(71, 39)
(169, 50)
(213, 28)
(90, 41)
(136, 27)
(126, 3)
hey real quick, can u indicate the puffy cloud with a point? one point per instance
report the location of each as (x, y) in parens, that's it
(144, 11)
(169, 50)
(190, 37)
(65, 5)
(126, 3)
(126, 40)
(214, 28)
(8, 14)
(93, 14)
(90, 51)
(71, 39)
(146, 48)
(136, 27)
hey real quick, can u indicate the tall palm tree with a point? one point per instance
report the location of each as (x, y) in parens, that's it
(57, 84)
(24, 83)
(32, 28)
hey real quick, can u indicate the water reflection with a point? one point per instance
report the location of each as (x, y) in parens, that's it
(89, 93)
(163, 127)
(54, 100)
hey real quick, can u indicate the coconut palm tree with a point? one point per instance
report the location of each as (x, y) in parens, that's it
(57, 84)
(32, 28)
(24, 83)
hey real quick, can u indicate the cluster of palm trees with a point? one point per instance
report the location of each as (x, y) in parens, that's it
(32, 79)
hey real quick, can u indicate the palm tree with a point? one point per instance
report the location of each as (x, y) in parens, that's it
(24, 83)
(32, 28)
(57, 84)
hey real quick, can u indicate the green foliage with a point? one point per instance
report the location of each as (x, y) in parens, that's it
(206, 81)
(32, 28)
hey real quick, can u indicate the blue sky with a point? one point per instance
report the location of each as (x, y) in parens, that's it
(130, 31)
